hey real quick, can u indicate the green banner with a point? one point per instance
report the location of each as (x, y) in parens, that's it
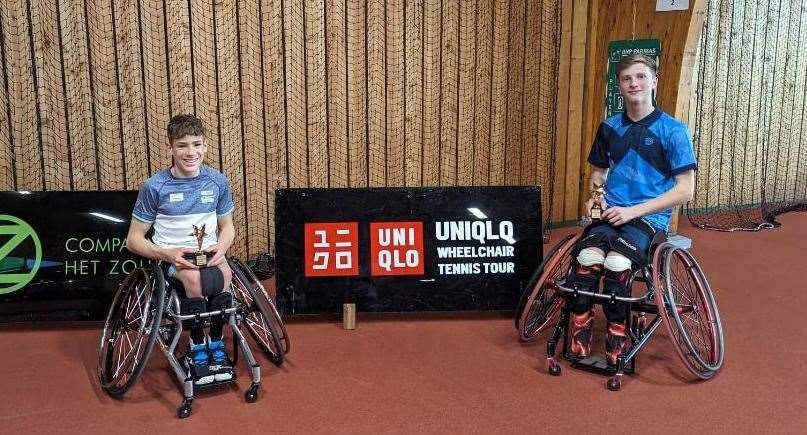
(617, 50)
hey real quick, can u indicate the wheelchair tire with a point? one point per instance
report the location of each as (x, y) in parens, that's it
(689, 310)
(539, 302)
(273, 312)
(260, 316)
(131, 329)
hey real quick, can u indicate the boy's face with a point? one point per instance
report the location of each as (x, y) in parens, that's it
(637, 83)
(188, 153)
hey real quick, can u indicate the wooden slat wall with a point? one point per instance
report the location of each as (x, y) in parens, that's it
(295, 93)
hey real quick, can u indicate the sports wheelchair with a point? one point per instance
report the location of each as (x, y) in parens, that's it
(146, 310)
(676, 293)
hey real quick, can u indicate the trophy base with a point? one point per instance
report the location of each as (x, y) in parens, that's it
(596, 214)
(199, 259)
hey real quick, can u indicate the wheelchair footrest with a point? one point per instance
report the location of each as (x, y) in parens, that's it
(214, 384)
(593, 363)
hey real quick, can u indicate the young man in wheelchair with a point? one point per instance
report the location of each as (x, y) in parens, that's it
(178, 202)
(645, 159)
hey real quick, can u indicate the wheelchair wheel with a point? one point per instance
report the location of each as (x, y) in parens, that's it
(260, 315)
(540, 302)
(250, 275)
(689, 310)
(131, 329)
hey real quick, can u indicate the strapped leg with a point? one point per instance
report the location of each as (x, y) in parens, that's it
(218, 301)
(585, 276)
(617, 278)
(213, 282)
(194, 306)
(198, 359)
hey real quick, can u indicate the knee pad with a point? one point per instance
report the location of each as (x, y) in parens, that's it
(616, 262)
(211, 280)
(192, 306)
(220, 301)
(590, 256)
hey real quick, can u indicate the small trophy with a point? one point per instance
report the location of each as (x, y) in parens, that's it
(199, 257)
(596, 207)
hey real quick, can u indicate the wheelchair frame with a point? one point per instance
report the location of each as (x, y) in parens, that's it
(547, 295)
(143, 313)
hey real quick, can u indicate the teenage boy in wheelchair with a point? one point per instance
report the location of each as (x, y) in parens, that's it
(645, 159)
(176, 202)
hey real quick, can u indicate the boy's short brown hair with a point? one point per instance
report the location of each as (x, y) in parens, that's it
(632, 59)
(184, 125)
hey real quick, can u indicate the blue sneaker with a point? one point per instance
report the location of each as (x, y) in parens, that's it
(221, 365)
(199, 364)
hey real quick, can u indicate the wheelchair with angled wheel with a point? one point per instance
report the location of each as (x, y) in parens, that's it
(147, 310)
(671, 289)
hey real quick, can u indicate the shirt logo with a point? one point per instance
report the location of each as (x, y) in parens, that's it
(176, 197)
(648, 141)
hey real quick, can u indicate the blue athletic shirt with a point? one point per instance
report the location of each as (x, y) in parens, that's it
(173, 205)
(642, 159)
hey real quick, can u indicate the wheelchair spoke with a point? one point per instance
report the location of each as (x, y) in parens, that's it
(261, 324)
(131, 304)
(122, 357)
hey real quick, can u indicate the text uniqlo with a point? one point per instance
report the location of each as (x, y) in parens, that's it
(396, 248)
(331, 249)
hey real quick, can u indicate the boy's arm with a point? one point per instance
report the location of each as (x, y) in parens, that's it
(226, 236)
(136, 242)
(682, 191)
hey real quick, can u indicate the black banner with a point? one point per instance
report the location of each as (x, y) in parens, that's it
(62, 254)
(405, 249)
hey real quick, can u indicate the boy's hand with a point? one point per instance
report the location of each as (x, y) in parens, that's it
(175, 257)
(617, 216)
(218, 255)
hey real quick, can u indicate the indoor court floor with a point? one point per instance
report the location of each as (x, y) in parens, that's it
(456, 374)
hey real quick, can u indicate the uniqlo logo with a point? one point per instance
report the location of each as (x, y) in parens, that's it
(396, 248)
(332, 249)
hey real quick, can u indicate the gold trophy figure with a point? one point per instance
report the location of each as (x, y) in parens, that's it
(596, 207)
(199, 257)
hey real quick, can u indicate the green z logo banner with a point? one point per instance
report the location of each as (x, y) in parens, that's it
(16, 271)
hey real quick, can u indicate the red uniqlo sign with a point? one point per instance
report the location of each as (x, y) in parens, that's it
(396, 248)
(332, 249)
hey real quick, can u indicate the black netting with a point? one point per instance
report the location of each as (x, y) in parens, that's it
(749, 121)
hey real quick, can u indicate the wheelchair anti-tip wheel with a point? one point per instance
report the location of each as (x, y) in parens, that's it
(540, 302)
(131, 329)
(689, 310)
(260, 315)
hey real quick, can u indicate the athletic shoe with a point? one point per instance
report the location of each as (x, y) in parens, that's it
(198, 360)
(221, 364)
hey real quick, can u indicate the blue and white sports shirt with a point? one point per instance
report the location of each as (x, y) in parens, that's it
(642, 159)
(174, 205)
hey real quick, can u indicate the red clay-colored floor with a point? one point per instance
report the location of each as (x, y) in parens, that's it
(457, 375)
